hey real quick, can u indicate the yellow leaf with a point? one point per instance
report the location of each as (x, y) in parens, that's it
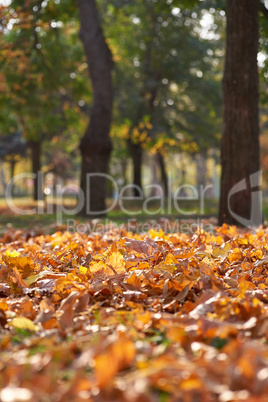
(33, 278)
(242, 241)
(166, 267)
(82, 269)
(154, 233)
(13, 253)
(23, 323)
(221, 252)
(170, 259)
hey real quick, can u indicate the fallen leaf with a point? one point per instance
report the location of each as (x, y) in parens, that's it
(23, 323)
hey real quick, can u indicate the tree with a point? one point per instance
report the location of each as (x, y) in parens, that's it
(167, 80)
(40, 90)
(240, 140)
(96, 144)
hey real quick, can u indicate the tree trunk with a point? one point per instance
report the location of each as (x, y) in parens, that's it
(240, 141)
(154, 180)
(96, 144)
(35, 147)
(136, 152)
(12, 174)
(163, 173)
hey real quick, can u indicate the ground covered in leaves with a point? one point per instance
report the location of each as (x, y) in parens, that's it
(138, 318)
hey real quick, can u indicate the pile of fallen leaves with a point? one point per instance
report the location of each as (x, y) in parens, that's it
(128, 317)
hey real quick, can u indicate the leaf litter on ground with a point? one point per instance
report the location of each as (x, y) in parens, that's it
(121, 316)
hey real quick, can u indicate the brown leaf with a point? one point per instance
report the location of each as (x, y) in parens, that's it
(3, 318)
(143, 247)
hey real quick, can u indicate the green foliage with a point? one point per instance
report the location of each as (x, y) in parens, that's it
(165, 72)
(42, 70)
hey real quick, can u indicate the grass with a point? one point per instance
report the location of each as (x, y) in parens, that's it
(50, 215)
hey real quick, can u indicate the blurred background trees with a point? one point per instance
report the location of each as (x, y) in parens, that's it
(167, 100)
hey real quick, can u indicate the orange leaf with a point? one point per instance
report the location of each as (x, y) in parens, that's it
(117, 356)
(115, 262)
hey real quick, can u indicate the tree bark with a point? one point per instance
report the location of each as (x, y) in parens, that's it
(136, 153)
(12, 174)
(163, 173)
(240, 141)
(96, 144)
(154, 180)
(35, 147)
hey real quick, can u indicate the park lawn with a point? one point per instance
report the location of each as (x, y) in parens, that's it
(55, 218)
(119, 316)
(50, 222)
(47, 222)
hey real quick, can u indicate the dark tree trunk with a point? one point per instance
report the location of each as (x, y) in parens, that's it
(35, 147)
(240, 141)
(96, 144)
(154, 180)
(163, 173)
(12, 174)
(136, 152)
(12, 168)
